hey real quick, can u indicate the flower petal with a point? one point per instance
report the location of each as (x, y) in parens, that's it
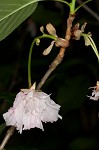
(30, 109)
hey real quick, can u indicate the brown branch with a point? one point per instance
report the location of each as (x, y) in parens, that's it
(7, 137)
(60, 56)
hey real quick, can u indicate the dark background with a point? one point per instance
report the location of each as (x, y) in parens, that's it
(69, 83)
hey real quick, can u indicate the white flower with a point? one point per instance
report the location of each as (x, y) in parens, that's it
(95, 92)
(30, 109)
(95, 95)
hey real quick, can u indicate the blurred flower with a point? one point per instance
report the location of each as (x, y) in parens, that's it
(30, 109)
(95, 93)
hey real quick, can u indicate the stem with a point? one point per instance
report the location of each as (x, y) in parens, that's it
(89, 10)
(72, 7)
(29, 63)
(60, 56)
(83, 3)
(30, 54)
(7, 136)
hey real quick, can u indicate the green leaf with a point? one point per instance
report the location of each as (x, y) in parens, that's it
(13, 13)
(2, 127)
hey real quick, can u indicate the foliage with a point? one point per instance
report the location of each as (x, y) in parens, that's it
(13, 13)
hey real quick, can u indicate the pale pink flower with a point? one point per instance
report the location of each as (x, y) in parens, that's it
(95, 92)
(30, 109)
(95, 95)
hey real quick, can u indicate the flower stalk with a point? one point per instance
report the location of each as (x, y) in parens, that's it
(30, 54)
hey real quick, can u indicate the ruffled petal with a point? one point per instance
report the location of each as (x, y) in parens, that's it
(30, 109)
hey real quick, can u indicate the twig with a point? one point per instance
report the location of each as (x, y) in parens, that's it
(89, 10)
(60, 56)
(7, 137)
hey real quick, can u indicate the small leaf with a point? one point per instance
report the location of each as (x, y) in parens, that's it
(2, 127)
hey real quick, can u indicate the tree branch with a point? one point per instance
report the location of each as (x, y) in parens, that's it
(7, 137)
(60, 56)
